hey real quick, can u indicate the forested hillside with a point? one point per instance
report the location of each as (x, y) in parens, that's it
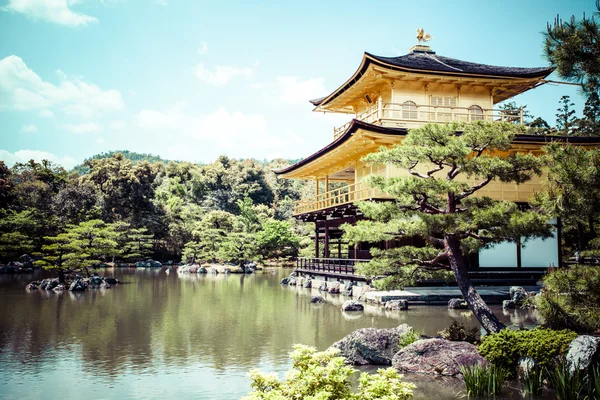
(125, 206)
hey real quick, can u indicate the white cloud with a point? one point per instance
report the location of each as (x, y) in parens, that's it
(222, 74)
(294, 91)
(26, 155)
(23, 89)
(84, 127)
(116, 125)
(100, 140)
(56, 11)
(46, 114)
(203, 49)
(222, 132)
(31, 128)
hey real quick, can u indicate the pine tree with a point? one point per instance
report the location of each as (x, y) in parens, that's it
(565, 116)
(437, 200)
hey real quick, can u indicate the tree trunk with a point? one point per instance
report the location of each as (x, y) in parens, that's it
(482, 312)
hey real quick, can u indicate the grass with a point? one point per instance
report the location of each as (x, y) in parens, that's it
(410, 337)
(483, 381)
(533, 382)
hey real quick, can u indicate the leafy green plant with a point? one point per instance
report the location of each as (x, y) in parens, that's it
(567, 385)
(533, 381)
(504, 348)
(571, 298)
(324, 376)
(457, 332)
(410, 337)
(482, 380)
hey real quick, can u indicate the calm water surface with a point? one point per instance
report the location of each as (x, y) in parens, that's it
(178, 336)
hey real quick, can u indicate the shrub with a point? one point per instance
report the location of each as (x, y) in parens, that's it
(457, 332)
(324, 376)
(504, 348)
(568, 386)
(482, 381)
(570, 298)
(533, 381)
(410, 337)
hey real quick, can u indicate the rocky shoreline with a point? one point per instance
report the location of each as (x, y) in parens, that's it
(72, 284)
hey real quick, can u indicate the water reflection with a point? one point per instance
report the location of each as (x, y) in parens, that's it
(196, 334)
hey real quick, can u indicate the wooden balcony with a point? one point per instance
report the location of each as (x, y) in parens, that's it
(414, 115)
(344, 195)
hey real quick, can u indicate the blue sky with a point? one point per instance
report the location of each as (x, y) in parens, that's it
(192, 80)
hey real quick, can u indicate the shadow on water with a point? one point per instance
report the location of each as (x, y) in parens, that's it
(172, 335)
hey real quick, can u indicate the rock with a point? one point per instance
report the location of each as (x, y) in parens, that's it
(348, 291)
(334, 288)
(193, 269)
(284, 281)
(518, 295)
(508, 304)
(78, 285)
(525, 366)
(371, 345)
(111, 281)
(307, 284)
(202, 270)
(396, 305)
(323, 287)
(584, 351)
(148, 263)
(364, 290)
(292, 282)
(95, 280)
(351, 305)
(60, 288)
(436, 356)
(49, 283)
(300, 281)
(317, 299)
(457, 304)
(104, 285)
(33, 286)
(213, 271)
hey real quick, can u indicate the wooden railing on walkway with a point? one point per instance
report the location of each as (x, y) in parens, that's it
(329, 265)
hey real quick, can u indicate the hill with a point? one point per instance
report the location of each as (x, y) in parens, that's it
(130, 155)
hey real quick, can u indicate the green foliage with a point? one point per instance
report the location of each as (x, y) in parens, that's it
(571, 386)
(503, 349)
(323, 376)
(457, 332)
(277, 239)
(410, 337)
(570, 298)
(483, 380)
(565, 116)
(533, 381)
(132, 156)
(238, 247)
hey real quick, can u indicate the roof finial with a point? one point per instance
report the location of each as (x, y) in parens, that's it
(422, 36)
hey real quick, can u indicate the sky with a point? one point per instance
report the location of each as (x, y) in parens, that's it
(192, 80)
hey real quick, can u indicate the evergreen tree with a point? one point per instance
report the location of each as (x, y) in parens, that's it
(589, 125)
(565, 116)
(438, 201)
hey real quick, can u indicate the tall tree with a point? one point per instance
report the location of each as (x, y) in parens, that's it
(573, 47)
(565, 116)
(438, 200)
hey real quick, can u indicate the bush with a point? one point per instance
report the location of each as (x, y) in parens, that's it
(410, 337)
(324, 376)
(482, 381)
(504, 348)
(457, 332)
(570, 298)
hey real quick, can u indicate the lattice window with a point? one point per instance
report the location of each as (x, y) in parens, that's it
(475, 113)
(409, 110)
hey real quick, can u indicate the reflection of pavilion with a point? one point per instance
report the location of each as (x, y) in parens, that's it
(386, 96)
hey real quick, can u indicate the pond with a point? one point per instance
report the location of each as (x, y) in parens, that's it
(160, 334)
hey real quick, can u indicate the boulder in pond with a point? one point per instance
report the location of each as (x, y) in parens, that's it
(78, 285)
(584, 351)
(323, 287)
(33, 286)
(396, 305)
(95, 280)
(525, 366)
(213, 271)
(111, 280)
(518, 295)
(334, 288)
(104, 285)
(508, 304)
(307, 284)
(202, 270)
(317, 300)
(351, 305)
(436, 356)
(284, 281)
(457, 304)
(60, 288)
(49, 283)
(371, 345)
(292, 282)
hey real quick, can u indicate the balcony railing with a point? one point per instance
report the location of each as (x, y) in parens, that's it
(329, 265)
(344, 195)
(414, 115)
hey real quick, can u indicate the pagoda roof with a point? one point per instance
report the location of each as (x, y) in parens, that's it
(427, 61)
(355, 125)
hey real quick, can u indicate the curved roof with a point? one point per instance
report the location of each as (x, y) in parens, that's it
(428, 61)
(355, 125)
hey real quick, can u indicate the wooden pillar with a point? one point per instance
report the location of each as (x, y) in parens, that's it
(316, 240)
(317, 193)
(340, 248)
(326, 244)
(327, 190)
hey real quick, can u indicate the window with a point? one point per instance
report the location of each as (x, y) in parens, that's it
(409, 110)
(475, 113)
(439, 101)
